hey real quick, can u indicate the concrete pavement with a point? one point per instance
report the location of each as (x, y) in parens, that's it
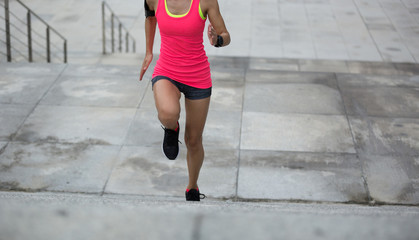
(355, 30)
(327, 138)
(81, 216)
(290, 139)
(284, 135)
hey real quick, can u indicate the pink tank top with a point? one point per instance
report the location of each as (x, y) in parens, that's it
(182, 55)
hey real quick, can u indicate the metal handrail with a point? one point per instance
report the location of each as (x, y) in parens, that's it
(120, 27)
(48, 31)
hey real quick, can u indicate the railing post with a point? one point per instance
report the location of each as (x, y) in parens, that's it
(126, 42)
(29, 23)
(113, 33)
(65, 51)
(7, 21)
(103, 29)
(48, 46)
(120, 30)
(120, 37)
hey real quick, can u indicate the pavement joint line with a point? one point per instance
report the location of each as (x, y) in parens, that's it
(115, 160)
(38, 101)
(143, 97)
(364, 178)
(240, 137)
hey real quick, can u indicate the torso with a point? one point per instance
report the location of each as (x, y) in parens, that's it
(182, 55)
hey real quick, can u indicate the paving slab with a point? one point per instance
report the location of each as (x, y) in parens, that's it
(24, 89)
(273, 64)
(12, 117)
(95, 91)
(378, 68)
(382, 136)
(360, 49)
(227, 96)
(388, 149)
(77, 124)
(408, 68)
(222, 129)
(392, 178)
(382, 101)
(304, 176)
(292, 98)
(80, 167)
(296, 132)
(390, 45)
(145, 171)
(365, 81)
(19, 69)
(267, 76)
(147, 102)
(323, 66)
(329, 45)
(122, 59)
(145, 129)
(220, 62)
(221, 74)
(102, 70)
(3, 145)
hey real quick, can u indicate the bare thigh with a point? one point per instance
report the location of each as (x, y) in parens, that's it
(166, 97)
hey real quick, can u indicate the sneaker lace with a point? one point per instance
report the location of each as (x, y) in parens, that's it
(171, 135)
(202, 196)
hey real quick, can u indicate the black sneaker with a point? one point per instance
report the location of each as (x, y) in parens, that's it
(194, 195)
(171, 143)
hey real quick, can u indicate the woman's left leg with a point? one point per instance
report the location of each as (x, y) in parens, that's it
(196, 115)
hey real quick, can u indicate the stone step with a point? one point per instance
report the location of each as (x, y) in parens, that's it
(79, 216)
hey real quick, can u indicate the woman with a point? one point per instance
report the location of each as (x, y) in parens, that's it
(183, 68)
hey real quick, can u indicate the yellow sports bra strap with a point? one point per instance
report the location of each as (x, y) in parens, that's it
(174, 15)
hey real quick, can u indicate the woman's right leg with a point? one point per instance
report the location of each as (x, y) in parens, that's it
(166, 97)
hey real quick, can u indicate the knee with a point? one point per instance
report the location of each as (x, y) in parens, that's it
(193, 142)
(167, 115)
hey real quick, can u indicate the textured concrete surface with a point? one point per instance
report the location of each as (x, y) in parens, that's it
(356, 30)
(281, 135)
(312, 133)
(69, 216)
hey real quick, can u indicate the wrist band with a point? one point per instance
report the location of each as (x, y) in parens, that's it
(220, 41)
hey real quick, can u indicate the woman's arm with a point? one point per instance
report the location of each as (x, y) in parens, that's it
(217, 26)
(150, 32)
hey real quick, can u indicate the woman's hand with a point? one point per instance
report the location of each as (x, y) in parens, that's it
(146, 63)
(212, 35)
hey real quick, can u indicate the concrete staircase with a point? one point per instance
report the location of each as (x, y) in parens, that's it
(276, 131)
(288, 143)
